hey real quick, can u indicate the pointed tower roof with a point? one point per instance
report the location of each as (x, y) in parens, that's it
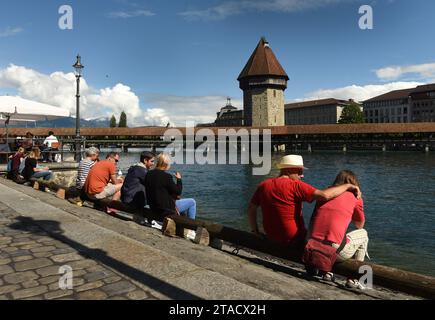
(263, 62)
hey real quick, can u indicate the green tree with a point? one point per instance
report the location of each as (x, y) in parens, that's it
(123, 120)
(352, 113)
(113, 122)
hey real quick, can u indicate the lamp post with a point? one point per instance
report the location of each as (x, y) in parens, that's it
(78, 67)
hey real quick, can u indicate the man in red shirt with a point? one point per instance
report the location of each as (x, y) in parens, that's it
(102, 181)
(281, 201)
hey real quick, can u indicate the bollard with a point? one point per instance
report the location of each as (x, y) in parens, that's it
(60, 194)
(202, 236)
(169, 227)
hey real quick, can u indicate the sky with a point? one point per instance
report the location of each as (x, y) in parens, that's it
(177, 60)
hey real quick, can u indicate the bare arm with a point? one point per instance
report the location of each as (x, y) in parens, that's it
(114, 179)
(359, 224)
(333, 192)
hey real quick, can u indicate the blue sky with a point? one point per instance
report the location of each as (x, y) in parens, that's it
(169, 59)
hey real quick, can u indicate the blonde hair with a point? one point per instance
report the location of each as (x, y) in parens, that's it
(163, 161)
(35, 153)
(21, 150)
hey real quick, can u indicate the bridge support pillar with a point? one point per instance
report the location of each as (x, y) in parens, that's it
(344, 148)
(426, 149)
(309, 148)
(384, 148)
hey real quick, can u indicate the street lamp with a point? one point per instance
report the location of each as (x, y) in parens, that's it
(78, 68)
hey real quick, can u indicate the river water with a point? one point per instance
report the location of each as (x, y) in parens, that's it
(398, 190)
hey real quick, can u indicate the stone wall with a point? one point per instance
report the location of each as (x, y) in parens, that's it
(65, 178)
(267, 107)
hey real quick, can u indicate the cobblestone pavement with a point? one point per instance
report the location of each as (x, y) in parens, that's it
(29, 267)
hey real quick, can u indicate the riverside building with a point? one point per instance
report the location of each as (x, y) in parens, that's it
(324, 111)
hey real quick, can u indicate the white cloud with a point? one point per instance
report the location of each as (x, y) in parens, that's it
(200, 109)
(231, 8)
(423, 71)
(58, 89)
(358, 93)
(9, 32)
(131, 14)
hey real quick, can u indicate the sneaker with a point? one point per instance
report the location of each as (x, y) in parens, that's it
(156, 225)
(354, 284)
(329, 276)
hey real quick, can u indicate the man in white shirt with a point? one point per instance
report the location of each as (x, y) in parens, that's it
(51, 144)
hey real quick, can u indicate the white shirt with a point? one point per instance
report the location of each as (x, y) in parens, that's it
(49, 140)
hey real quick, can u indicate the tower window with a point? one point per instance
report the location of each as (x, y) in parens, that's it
(274, 93)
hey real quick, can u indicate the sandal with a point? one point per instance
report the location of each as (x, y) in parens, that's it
(329, 276)
(111, 210)
(354, 284)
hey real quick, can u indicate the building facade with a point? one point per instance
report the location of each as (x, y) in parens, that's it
(325, 111)
(423, 103)
(229, 116)
(391, 107)
(263, 81)
(402, 106)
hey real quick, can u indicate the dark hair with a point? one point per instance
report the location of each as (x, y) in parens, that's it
(146, 155)
(346, 176)
(50, 133)
(112, 155)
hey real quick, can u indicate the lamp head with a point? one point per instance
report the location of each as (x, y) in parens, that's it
(78, 67)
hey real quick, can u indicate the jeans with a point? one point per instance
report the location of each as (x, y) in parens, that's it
(43, 174)
(46, 153)
(187, 207)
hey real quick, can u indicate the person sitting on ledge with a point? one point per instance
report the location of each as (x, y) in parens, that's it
(32, 169)
(329, 224)
(15, 161)
(85, 165)
(133, 190)
(281, 201)
(162, 192)
(102, 182)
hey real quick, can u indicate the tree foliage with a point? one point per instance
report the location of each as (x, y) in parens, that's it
(113, 122)
(352, 113)
(123, 120)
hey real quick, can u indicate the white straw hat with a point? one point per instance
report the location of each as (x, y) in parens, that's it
(291, 161)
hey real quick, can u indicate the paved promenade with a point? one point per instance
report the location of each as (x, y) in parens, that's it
(115, 259)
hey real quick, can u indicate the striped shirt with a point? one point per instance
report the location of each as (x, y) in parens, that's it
(84, 168)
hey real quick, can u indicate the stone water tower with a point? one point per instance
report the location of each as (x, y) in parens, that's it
(263, 81)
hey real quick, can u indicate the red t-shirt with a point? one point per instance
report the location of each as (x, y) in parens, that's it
(331, 219)
(99, 177)
(281, 200)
